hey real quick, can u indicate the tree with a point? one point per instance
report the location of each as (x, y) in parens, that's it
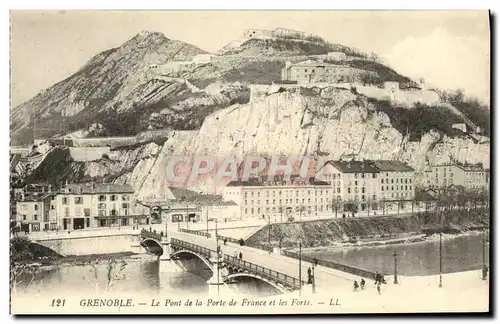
(114, 272)
(22, 273)
(336, 205)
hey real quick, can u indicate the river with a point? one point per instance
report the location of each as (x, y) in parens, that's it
(141, 274)
(459, 253)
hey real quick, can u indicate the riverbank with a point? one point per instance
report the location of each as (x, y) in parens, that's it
(25, 252)
(395, 241)
(372, 230)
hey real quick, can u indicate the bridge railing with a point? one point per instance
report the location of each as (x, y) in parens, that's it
(201, 233)
(151, 234)
(330, 264)
(269, 274)
(192, 247)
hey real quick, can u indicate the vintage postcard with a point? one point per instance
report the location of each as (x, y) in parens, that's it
(250, 162)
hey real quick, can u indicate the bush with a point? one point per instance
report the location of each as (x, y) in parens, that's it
(419, 120)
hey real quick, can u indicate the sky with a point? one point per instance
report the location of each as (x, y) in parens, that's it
(449, 49)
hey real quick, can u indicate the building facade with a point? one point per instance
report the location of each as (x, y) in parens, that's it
(80, 206)
(311, 71)
(471, 177)
(280, 199)
(36, 212)
(361, 186)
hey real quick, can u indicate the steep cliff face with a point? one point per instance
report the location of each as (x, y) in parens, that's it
(327, 122)
(293, 124)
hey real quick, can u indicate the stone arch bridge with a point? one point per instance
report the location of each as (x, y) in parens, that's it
(225, 268)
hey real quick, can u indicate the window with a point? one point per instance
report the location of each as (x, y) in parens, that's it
(102, 197)
(382, 188)
(113, 197)
(78, 200)
(101, 206)
(338, 190)
(349, 190)
(246, 209)
(35, 217)
(362, 175)
(374, 175)
(125, 197)
(36, 207)
(64, 200)
(86, 212)
(101, 212)
(356, 189)
(374, 197)
(125, 205)
(382, 181)
(66, 212)
(355, 183)
(24, 217)
(362, 189)
(356, 175)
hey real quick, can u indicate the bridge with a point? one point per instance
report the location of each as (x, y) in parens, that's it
(280, 271)
(225, 268)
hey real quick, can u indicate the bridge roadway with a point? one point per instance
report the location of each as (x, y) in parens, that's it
(324, 276)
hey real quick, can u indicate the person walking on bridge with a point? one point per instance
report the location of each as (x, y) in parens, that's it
(362, 283)
(241, 256)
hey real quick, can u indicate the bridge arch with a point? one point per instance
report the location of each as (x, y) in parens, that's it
(152, 246)
(250, 275)
(199, 256)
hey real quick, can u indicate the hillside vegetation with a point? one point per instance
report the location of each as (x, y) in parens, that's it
(419, 120)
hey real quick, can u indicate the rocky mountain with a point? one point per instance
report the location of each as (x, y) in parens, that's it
(221, 108)
(115, 78)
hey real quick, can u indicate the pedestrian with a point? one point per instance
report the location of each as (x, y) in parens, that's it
(309, 276)
(378, 288)
(355, 285)
(377, 277)
(241, 256)
(362, 283)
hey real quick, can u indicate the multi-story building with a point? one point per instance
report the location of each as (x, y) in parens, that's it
(81, 206)
(280, 198)
(36, 212)
(469, 176)
(311, 71)
(364, 185)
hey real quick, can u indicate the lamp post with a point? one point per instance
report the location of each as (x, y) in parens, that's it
(315, 262)
(269, 231)
(218, 256)
(207, 221)
(395, 268)
(300, 268)
(166, 222)
(440, 259)
(485, 268)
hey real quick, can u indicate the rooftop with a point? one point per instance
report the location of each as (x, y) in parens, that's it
(89, 188)
(353, 166)
(389, 165)
(278, 180)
